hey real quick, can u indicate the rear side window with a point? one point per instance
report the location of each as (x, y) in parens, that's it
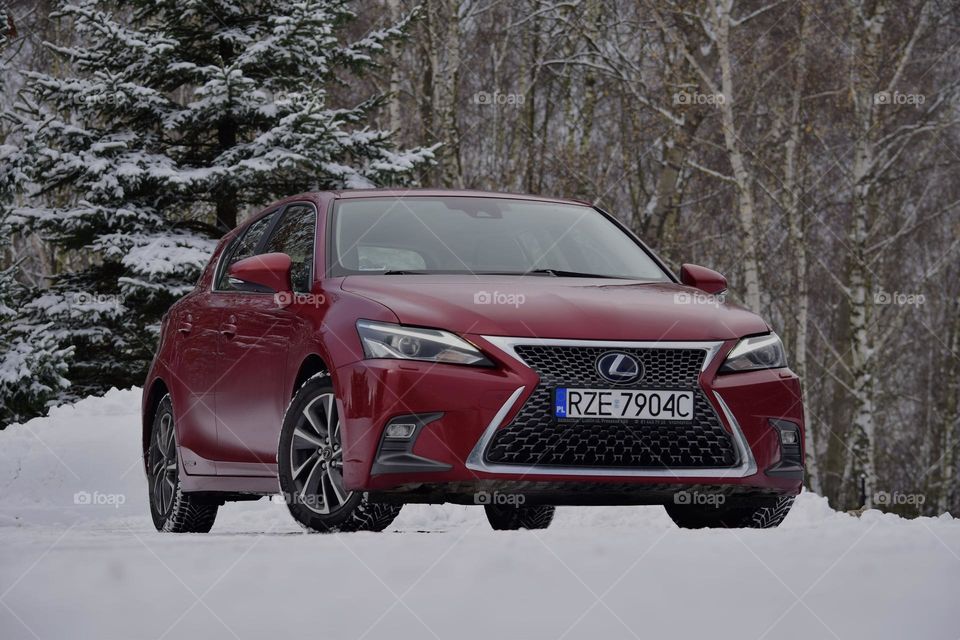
(294, 235)
(243, 247)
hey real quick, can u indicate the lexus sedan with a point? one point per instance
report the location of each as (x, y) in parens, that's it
(354, 351)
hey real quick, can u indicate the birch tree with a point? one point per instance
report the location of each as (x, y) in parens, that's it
(884, 130)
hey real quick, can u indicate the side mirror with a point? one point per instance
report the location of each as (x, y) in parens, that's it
(269, 270)
(707, 280)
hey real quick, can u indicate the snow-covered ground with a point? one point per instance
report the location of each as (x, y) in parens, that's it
(99, 570)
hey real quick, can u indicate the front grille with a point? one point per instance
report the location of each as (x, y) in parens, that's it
(575, 366)
(536, 438)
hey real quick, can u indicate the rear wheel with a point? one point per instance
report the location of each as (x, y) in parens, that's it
(510, 518)
(310, 459)
(763, 513)
(172, 509)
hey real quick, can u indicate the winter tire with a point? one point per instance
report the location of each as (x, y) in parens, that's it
(173, 510)
(753, 514)
(511, 518)
(310, 461)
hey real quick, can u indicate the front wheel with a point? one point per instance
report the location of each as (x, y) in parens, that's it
(172, 509)
(310, 460)
(762, 513)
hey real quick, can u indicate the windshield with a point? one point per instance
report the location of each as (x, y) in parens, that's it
(482, 235)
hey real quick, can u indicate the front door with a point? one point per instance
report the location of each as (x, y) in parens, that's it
(256, 334)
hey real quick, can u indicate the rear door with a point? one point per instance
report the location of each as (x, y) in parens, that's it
(256, 334)
(194, 373)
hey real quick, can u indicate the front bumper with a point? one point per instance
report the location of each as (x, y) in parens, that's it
(466, 406)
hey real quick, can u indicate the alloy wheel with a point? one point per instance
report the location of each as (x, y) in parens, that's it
(316, 457)
(163, 464)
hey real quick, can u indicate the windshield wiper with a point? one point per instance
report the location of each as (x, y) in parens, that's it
(560, 273)
(557, 273)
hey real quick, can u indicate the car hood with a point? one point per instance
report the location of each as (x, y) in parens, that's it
(549, 307)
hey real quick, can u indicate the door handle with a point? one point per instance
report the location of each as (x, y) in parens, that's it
(185, 327)
(228, 330)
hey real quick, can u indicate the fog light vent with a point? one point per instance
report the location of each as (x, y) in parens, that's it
(791, 454)
(789, 436)
(400, 430)
(395, 453)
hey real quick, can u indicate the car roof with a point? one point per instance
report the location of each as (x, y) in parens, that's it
(347, 194)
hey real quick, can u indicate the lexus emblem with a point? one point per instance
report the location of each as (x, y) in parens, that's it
(619, 367)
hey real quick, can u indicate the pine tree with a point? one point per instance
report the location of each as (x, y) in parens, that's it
(174, 118)
(32, 364)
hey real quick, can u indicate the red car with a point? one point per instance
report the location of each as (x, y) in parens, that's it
(359, 350)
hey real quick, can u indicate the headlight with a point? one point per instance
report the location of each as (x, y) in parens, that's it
(758, 352)
(382, 340)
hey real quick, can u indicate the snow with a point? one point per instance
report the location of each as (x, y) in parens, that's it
(169, 253)
(100, 570)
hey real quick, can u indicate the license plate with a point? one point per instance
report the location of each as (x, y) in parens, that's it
(623, 404)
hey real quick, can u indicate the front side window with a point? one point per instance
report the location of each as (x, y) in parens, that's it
(294, 235)
(243, 247)
(483, 235)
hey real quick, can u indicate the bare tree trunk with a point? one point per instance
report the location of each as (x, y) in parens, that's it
(394, 118)
(951, 422)
(747, 211)
(530, 110)
(862, 446)
(666, 202)
(796, 229)
(442, 19)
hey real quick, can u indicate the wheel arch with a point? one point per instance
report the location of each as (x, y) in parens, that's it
(310, 366)
(158, 389)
